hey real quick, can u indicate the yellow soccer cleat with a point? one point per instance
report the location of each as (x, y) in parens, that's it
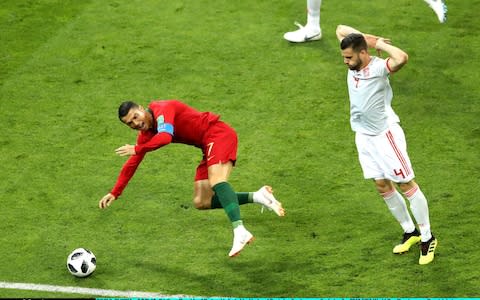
(409, 239)
(428, 251)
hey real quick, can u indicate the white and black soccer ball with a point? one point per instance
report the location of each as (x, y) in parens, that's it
(81, 262)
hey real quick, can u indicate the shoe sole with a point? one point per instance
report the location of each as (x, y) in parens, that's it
(247, 243)
(403, 252)
(306, 39)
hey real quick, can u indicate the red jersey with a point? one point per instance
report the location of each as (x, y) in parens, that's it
(174, 122)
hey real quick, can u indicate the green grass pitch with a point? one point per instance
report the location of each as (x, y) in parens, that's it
(66, 65)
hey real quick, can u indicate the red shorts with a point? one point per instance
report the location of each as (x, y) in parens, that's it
(219, 146)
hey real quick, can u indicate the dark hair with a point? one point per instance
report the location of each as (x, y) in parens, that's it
(125, 108)
(354, 40)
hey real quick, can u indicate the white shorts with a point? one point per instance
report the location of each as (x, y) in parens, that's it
(385, 156)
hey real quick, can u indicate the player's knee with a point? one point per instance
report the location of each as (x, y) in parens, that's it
(407, 186)
(384, 186)
(201, 204)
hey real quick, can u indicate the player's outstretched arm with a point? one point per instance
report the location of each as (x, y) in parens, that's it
(106, 200)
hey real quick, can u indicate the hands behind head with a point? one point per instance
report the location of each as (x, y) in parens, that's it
(375, 42)
(372, 40)
(382, 40)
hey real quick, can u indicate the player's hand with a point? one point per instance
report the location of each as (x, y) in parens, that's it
(380, 42)
(375, 42)
(106, 200)
(372, 40)
(126, 150)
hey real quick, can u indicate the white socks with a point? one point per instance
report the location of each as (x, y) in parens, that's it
(419, 208)
(313, 13)
(397, 206)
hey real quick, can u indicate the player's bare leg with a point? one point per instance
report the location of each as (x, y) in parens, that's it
(203, 193)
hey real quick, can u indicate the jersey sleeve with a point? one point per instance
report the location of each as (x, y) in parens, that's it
(387, 66)
(164, 118)
(157, 141)
(126, 174)
(380, 67)
(130, 166)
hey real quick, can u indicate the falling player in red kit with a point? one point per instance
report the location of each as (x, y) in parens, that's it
(171, 121)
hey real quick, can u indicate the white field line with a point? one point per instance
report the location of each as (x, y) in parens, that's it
(84, 291)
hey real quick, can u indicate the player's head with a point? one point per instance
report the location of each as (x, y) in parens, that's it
(135, 116)
(354, 51)
(125, 108)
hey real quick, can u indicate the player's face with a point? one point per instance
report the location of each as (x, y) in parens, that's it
(353, 59)
(138, 119)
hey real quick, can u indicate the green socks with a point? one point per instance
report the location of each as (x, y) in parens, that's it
(229, 201)
(243, 198)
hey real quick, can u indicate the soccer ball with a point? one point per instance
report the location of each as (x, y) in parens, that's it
(81, 262)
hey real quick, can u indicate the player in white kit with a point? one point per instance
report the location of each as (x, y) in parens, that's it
(380, 141)
(312, 31)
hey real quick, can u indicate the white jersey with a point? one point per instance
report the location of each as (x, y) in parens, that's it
(370, 98)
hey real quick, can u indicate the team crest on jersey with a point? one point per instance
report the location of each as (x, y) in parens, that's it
(366, 72)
